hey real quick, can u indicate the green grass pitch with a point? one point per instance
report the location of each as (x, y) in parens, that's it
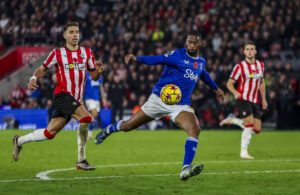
(149, 162)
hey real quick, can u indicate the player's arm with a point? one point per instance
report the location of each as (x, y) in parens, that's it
(205, 77)
(149, 60)
(262, 89)
(96, 73)
(230, 86)
(38, 73)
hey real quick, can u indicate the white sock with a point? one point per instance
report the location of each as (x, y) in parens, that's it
(37, 135)
(82, 133)
(237, 121)
(245, 140)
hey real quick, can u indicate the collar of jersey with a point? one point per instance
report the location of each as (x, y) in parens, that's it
(72, 50)
(192, 56)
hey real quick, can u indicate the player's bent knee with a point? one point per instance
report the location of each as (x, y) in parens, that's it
(49, 135)
(87, 119)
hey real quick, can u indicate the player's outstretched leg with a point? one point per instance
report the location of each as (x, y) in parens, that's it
(134, 122)
(37, 135)
(112, 128)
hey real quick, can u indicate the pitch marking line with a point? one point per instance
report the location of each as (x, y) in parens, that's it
(153, 175)
(43, 175)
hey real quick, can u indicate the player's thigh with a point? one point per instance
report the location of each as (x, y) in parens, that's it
(56, 124)
(80, 112)
(189, 122)
(138, 119)
(257, 124)
(94, 113)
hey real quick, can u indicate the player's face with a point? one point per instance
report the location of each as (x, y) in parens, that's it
(250, 51)
(72, 35)
(193, 44)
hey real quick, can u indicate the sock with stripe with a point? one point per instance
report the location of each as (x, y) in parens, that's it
(190, 150)
(115, 127)
(37, 135)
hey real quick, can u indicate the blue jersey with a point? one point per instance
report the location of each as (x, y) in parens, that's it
(92, 88)
(181, 70)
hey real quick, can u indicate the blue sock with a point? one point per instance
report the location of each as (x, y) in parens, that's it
(115, 127)
(190, 150)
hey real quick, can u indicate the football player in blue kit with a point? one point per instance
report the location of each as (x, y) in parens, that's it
(183, 68)
(93, 94)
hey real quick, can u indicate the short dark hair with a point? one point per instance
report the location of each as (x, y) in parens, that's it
(249, 42)
(194, 33)
(70, 24)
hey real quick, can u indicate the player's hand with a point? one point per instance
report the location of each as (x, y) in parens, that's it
(32, 85)
(237, 95)
(220, 95)
(130, 58)
(264, 104)
(99, 66)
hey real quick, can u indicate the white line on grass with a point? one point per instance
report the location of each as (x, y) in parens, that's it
(153, 175)
(44, 175)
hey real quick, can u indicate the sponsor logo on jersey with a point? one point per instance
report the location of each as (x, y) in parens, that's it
(190, 74)
(79, 66)
(186, 61)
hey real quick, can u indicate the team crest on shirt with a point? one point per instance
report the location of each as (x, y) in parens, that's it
(75, 60)
(82, 56)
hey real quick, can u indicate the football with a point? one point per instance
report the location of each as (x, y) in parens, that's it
(170, 94)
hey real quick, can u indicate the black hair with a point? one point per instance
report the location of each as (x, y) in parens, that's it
(70, 24)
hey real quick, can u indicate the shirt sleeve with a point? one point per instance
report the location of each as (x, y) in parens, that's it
(91, 61)
(51, 60)
(205, 77)
(236, 72)
(160, 59)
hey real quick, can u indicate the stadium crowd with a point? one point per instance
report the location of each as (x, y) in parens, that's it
(152, 27)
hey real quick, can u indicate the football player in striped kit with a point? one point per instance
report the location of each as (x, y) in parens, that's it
(249, 74)
(72, 63)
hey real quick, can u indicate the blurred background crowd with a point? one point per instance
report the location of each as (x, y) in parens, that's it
(113, 29)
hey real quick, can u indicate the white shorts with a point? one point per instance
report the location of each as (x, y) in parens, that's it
(155, 108)
(92, 104)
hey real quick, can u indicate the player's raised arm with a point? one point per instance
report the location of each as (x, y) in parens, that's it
(205, 77)
(149, 60)
(38, 73)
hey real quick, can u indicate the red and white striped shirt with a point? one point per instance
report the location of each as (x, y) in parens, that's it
(71, 68)
(248, 77)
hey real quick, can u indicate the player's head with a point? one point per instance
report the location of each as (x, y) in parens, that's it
(193, 43)
(71, 33)
(250, 50)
